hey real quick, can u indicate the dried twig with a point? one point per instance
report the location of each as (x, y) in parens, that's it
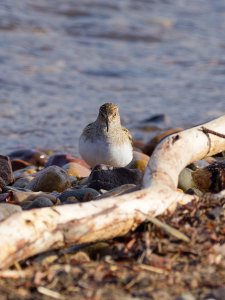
(153, 269)
(16, 274)
(50, 293)
(207, 130)
(169, 229)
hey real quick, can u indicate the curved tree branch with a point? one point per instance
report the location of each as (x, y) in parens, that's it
(30, 232)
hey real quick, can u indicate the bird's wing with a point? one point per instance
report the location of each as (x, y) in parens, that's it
(87, 132)
(88, 128)
(128, 133)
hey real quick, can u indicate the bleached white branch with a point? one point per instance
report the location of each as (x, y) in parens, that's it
(30, 232)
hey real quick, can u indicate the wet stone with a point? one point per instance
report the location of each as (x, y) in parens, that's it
(107, 177)
(73, 180)
(79, 195)
(6, 197)
(10, 188)
(6, 173)
(37, 203)
(68, 197)
(123, 189)
(83, 182)
(77, 170)
(50, 179)
(2, 184)
(61, 159)
(33, 157)
(70, 200)
(25, 172)
(18, 164)
(18, 195)
(161, 119)
(23, 182)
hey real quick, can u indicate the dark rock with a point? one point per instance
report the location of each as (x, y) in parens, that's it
(33, 157)
(6, 197)
(98, 250)
(2, 184)
(156, 119)
(6, 173)
(18, 196)
(30, 170)
(18, 164)
(194, 191)
(123, 189)
(81, 195)
(190, 191)
(58, 160)
(107, 177)
(22, 182)
(50, 179)
(71, 200)
(37, 203)
(154, 123)
(73, 180)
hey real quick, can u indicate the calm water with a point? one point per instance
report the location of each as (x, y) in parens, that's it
(60, 60)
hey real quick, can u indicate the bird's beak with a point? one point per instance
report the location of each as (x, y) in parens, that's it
(107, 124)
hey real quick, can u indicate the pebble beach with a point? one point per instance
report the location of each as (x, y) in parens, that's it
(162, 62)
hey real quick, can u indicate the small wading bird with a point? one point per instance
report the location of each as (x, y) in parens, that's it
(105, 141)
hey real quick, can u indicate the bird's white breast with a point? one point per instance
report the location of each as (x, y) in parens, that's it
(99, 152)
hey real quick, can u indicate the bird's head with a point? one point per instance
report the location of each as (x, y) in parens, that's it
(109, 114)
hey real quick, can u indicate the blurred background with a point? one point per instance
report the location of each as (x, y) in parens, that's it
(61, 59)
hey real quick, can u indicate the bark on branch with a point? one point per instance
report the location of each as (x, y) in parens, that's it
(30, 232)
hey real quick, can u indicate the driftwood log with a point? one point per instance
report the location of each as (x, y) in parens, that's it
(30, 232)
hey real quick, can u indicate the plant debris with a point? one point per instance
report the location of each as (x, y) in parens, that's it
(149, 263)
